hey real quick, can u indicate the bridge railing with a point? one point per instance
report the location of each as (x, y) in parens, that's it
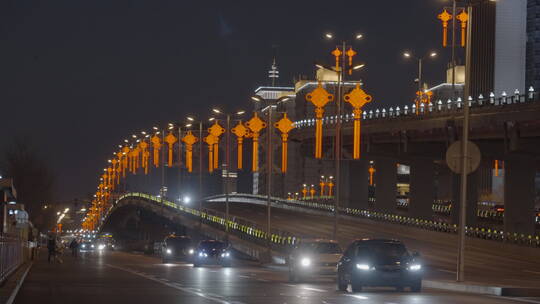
(11, 256)
(477, 232)
(435, 108)
(279, 239)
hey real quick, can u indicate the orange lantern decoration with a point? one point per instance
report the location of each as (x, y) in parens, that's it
(241, 131)
(322, 184)
(114, 171)
(312, 191)
(463, 18)
(145, 155)
(319, 98)
(255, 124)
(330, 187)
(211, 141)
(445, 17)
(337, 53)
(371, 170)
(350, 54)
(189, 139)
(357, 98)
(110, 177)
(216, 130)
(156, 145)
(304, 192)
(170, 139)
(284, 125)
(125, 155)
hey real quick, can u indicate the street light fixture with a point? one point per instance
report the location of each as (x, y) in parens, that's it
(431, 54)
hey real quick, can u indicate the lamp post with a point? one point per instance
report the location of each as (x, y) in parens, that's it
(408, 54)
(339, 105)
(227, 164)
(269, 163)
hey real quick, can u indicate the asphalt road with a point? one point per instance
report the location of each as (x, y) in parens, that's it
(115, 277)
(487, 262)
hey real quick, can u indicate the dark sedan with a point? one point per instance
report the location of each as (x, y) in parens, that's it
(212, 252)
(379, 262)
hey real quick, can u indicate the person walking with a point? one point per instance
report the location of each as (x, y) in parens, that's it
(51, 247)
(74, 246)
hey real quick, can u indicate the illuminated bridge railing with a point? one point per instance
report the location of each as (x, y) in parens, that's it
(439, 107)
(243, 228)
(476, 232)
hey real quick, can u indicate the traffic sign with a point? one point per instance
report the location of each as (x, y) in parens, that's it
(453, 157)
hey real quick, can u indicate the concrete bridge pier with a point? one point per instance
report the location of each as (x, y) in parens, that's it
(519, 187)
(355, 179)
(422, 187)
(472, 198)
(385, 184)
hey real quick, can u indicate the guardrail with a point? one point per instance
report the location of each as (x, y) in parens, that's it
(477, 232)
(245, 229)
(439, 106)
(10, 256)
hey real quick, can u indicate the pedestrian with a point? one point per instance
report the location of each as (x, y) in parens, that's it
(58, 252)
(74, 246)
(51, 247)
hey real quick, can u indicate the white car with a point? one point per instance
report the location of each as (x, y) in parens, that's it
(313, 258)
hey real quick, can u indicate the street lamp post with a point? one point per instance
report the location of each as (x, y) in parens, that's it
(338, 147)
(408, 54)
(192, 120)
(227, 165)
(269, 166)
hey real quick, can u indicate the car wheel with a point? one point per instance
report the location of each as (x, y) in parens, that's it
(356, 286)
(341, 283)
(416, 286)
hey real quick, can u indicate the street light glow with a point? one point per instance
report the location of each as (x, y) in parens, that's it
(216, 111)
(256, 98)
(359, 66)
(190, 118)
(188, 125)
(359, 36)
(433, 54)
(240, 112)
(329, 35)
(211, 119)
(406, 54)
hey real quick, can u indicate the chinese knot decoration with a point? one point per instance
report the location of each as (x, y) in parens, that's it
(211, 141)
(216, 130)
(189, 139)
(284, 125)
(170, 139)
(255, 124)
(319, 98)
(462, 17)
(156, 146)
(357, 98)
(240, 131)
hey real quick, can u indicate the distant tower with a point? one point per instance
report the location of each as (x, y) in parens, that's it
(273, 73)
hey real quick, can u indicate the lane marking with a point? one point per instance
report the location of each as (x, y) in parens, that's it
(359, 297)
(314, 289)
(447, 271)
(524, 300)
(215, 298)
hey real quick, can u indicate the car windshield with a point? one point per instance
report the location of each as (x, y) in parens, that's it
(383, 249)
(178, 241)
(211, 245)
(319, 247)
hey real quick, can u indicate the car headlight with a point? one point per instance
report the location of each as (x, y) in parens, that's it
(225, 254)
(168, 251)
(305, 262)
(191, 251)
(415, 267)
(92, 246)
(101, 247)
(83, 245)
(363, 267)
(203, 254)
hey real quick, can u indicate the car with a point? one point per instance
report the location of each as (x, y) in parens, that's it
(313, 257)
(176, 248)
(210, 252)
(87, 246)
(379, 262)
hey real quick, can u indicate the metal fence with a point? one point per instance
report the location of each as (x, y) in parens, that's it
(10, 255)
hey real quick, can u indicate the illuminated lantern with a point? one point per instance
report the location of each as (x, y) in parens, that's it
(371, 170)
(240, 131)
(114, 171)
(304, 192)
(189, 139)
(330, 187)
(216, 130)
(319, 98)
(312, 191)
(322, 184)
(156, 146)
(445, 17)
(337, 53)
(357, 98)
(463, 18)
(350, 54)
(211, 141)
(145, 155)
(125, 152)
(255, 124)
(110, 177)
(170, 139)
(284, 125)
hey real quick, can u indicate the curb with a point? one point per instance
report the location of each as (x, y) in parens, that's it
(483, 289)
(20, 281)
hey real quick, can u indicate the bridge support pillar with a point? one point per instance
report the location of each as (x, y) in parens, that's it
(422, 188)
(354, 192)
(519, 175)
(385, 184)
(472, 199)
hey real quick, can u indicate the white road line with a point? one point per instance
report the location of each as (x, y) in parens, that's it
(314, 289)
(524, 300)
(447, 271)
(358, 297)
(187, 290)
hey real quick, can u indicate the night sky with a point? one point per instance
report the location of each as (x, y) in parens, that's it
(79, 76)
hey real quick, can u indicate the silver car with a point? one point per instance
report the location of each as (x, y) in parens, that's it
(313, 258)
